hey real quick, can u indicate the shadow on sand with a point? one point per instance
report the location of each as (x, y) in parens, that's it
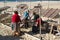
(9, 38)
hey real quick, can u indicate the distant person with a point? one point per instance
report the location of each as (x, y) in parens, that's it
(15, 22)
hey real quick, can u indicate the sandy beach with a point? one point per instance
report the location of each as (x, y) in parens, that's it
(6, 32)
(45, 4)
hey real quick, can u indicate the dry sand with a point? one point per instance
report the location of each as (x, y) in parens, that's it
(52, 4)
(44, 4)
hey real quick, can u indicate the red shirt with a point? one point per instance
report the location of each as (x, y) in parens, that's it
(38, 21)
(15, 18)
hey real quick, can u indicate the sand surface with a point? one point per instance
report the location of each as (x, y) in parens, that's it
(45, 4)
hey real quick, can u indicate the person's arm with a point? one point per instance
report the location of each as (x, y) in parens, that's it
(19, 20)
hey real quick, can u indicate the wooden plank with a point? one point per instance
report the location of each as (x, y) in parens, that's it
(30, 37)
(42, 11)
(47, 12)
(51, 28)
(4, 8)
(3, 15)
(50, 23)
(55, 13)
(52, 12)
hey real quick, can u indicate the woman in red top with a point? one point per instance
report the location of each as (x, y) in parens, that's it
(15, 21)
(15, 17)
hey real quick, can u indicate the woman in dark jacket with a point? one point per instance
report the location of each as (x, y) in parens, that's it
(37, 22)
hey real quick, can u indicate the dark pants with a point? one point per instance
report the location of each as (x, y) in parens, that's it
(15, 27)
(26, 23)
(35, 29)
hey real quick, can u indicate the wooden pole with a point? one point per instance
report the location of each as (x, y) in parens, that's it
(40, 16)
(51, 28)
(5, 4)
(48, 4)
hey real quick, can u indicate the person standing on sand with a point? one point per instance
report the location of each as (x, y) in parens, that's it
(36, 24)
(15, 22)
(26, 15)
